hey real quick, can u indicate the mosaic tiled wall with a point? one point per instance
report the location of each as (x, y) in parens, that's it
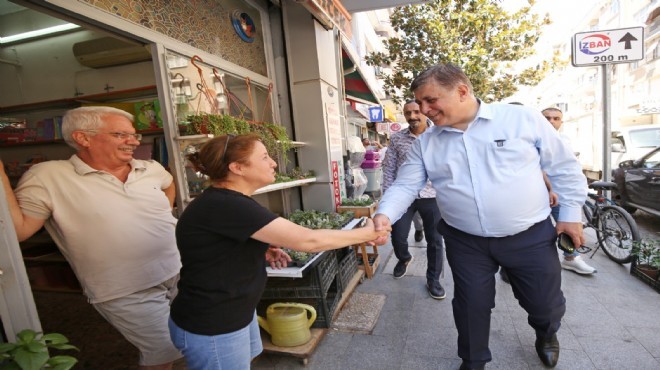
(204, 24)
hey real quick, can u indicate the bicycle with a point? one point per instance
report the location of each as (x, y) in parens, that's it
(615, 228)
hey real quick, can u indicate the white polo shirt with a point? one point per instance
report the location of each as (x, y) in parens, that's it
(118, 237)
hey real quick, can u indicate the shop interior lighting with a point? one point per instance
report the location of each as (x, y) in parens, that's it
(38, 33)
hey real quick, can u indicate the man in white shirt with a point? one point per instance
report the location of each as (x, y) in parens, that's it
(571, 261)
(111, 217)
(486, 163)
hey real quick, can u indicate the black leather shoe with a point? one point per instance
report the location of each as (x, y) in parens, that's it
(436, 291)
(464, 366)
(401, 268)
(548, 350)
(419, 235)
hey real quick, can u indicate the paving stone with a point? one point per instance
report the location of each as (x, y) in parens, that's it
(360, 313)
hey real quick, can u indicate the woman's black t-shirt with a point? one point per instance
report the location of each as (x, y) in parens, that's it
(224, 270)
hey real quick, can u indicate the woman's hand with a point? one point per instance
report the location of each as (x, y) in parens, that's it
(277, 258)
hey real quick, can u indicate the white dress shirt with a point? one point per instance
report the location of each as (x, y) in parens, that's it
(488, 178)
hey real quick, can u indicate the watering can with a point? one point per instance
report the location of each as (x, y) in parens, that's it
(287, 323)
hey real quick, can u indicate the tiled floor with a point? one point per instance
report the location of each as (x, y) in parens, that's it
(612, 322)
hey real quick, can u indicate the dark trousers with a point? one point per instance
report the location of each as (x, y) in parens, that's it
(428, 210)
(530, 258)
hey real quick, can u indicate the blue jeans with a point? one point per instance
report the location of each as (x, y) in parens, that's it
(554, 212)
(428, 210)
(231, 351)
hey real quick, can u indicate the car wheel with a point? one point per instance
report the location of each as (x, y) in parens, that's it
(630, 209)
(617, 198)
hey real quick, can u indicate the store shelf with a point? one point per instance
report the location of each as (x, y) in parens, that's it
(122, 95)
(284, 185)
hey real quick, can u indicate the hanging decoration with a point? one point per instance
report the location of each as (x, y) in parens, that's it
(243, 25)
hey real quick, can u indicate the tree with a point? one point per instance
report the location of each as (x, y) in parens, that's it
(477, 35)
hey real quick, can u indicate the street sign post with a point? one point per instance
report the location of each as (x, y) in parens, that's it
(606, 47)
(623, 45)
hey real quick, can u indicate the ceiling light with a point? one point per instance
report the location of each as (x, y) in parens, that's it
(38, 33)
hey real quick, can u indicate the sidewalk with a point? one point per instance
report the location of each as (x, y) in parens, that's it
(612, 322)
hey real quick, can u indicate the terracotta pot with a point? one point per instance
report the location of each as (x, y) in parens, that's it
(649, 271)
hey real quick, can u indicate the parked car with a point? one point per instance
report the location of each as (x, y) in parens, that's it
(638, 183)
(633, 142)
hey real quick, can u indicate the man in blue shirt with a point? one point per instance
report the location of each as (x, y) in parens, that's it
(486, 163)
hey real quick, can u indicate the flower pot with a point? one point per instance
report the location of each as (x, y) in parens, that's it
(650, 271)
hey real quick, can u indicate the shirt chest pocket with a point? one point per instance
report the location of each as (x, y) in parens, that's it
(510, 156)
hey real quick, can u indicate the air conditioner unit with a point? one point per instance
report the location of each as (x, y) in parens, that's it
(109, 51)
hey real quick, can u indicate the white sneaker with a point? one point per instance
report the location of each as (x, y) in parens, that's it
(578, 265)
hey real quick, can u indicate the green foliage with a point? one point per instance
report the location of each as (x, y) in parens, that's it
(357, 202)
(477, 35)
(297, 256)
(30, 352)
(294, 174)
(274, 137)
(320, 220)
(647, 252)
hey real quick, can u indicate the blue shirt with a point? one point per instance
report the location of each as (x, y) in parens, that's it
(488, 178)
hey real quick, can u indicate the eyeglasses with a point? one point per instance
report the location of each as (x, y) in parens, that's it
(119, 135)
(224, 152)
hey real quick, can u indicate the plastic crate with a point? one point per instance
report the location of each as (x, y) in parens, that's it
(655, 284)
(314, 284)
(348, 266)
(325, 306)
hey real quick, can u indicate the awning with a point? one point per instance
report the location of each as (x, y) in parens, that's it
(355, 85)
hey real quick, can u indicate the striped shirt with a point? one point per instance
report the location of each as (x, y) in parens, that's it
(395, 156)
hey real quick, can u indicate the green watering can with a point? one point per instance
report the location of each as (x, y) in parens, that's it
(287, 323)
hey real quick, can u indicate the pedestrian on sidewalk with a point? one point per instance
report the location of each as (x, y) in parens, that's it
(571, 261)
(419, 227)
(424, 203)
(486, 163)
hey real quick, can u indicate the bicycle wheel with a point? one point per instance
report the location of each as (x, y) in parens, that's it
(616, 232)
(588, 213)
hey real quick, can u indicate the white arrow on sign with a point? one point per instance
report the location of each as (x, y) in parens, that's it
(623, 45)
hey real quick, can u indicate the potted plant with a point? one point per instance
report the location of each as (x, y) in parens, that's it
(273, 136)
(647, 255)
(361, 206)
(30, 352)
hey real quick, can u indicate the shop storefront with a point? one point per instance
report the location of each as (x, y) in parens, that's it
(267, 61)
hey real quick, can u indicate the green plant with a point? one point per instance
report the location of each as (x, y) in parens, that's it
(320, 220)
(647, 252)
(274, 137)
(295, 174)
(298, 256)
(30, 352)
(357, 202)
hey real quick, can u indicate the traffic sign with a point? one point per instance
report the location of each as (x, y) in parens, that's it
(376, 114)
(623, 45)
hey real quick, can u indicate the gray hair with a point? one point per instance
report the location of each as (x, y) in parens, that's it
(87, 118)
(447, 75)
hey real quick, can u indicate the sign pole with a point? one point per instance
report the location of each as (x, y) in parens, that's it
(607, 47)
(607, 122)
